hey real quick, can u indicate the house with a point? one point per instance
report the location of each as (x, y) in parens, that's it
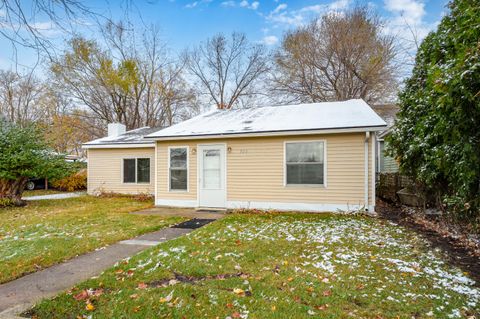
(385, 163)
(308, 157)
(122, 162)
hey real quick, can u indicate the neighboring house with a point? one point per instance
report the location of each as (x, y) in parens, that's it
(388, 112)
(309, 157)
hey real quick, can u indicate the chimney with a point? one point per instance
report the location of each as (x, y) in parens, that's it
(116, 129)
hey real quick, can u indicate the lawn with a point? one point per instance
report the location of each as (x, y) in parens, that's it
(278, 266)
(49, 231)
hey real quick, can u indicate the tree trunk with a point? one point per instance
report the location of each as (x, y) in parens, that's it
(11, 191)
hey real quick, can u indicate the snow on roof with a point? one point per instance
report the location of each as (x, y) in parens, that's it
(129, 137)
(351, 114)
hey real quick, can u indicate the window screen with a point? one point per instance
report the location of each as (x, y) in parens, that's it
(129, 170)
(136, 170)
(178, 168)
(304, 163)
(143, 170)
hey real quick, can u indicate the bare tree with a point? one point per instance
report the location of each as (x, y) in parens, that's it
(228, 69)
(25, 23)
(127, 81)
(337, 57)
(24, 98)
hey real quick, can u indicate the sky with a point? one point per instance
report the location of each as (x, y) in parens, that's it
(185, 23)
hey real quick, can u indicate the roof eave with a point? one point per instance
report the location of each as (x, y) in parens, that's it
(269, 133)
(118, 145)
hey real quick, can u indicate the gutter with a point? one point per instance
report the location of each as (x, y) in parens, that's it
(266, 133)
(119, 145)
(367, 139)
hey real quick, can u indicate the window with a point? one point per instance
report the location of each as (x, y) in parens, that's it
(136, 170)
(178, 168)
(304, 163)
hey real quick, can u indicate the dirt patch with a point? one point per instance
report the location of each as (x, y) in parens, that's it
(458, 252)
(179, 278)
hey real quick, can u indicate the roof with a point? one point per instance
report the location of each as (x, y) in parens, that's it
(129, 138)
(351, 115)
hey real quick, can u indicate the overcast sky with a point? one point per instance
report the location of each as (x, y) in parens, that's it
(187, 22)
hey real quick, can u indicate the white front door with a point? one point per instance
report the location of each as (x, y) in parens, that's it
(212, 188)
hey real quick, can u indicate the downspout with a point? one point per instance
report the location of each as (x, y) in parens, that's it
(367, 138)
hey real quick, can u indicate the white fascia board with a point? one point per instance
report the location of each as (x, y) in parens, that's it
(260, 134)
(126, 145)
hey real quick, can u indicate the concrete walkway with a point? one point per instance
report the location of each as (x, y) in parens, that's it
(54, 196)
(20, 294)
(183, 212)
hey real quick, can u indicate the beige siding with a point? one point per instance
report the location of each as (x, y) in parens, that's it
(255, 170)
(105, 170)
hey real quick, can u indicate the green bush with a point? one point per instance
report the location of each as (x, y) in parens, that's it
(437, 137)
(74, 182)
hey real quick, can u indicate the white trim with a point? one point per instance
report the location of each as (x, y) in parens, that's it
(155, 186)
(282, 206)
(366, 186)
(198, 168)
(188, 169)
(373, 171)
(136, 145)
(258, 134)
(285, 206)
(175, 202)
(136, 160)
(89, 191)
(285, 142)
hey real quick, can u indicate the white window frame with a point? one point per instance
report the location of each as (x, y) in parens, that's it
(136, 168)
(324, 185)
(188, 169)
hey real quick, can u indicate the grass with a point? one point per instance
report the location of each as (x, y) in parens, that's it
(278, 266)
(41, 192)
(50, 231)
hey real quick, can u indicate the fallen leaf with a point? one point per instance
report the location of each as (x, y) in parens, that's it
(119, 271)
(167, 298)
(81, 295)
(134, 296)
(239, 291)
(97, 292)
(142, 285)
(274, 308)
(229, 305)
(136, 309)
(322, 307)
(327, 293)
(89, 306)
(310, 289)
(236, 315)
(289, 279)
